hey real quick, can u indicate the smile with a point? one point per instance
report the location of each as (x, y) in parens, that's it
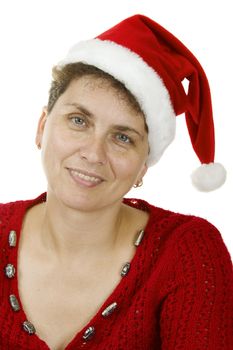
(85, 178)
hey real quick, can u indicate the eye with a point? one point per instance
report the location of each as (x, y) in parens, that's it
(124, 138)
(78, 120)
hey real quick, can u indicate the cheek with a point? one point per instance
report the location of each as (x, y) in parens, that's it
(55, 147)
(127, 168)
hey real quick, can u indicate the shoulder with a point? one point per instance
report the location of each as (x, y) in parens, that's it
(182, 233)
(6, 207)
(10, 217)
(191, 234)
(167, 220)
(193, 250)
(11, 213)
(10, 208)
(179, 220)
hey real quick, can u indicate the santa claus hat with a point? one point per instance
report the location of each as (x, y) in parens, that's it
(152, 63)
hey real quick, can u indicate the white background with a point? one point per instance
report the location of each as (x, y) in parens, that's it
(36, 34)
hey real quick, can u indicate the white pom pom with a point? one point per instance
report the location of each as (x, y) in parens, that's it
(209, 177)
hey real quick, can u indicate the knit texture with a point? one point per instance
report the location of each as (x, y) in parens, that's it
(178, 293)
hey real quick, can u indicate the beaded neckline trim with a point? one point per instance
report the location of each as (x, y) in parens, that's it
(27, 326)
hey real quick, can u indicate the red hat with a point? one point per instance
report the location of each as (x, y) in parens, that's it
(152, 63)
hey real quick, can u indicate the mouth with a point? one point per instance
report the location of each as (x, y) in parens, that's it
(85, 178)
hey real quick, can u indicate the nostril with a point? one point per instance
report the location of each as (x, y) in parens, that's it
(94, 152)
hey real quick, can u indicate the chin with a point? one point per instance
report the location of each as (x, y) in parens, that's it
(77, 201)
(87, 199)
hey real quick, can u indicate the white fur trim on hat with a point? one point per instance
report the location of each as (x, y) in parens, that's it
(209, 177)
(144, 83)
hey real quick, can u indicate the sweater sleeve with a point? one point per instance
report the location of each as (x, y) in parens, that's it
(197, 310)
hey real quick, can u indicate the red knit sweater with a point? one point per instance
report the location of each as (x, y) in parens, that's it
(177, 293)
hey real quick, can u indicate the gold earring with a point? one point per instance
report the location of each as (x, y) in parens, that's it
(138, 184)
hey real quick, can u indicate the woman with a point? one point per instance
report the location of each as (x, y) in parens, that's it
(84, 267)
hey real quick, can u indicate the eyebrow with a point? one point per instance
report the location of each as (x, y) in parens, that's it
(128, 129)
(122, 128)
(80, 108)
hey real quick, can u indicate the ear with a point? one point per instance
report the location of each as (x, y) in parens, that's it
(40, 127)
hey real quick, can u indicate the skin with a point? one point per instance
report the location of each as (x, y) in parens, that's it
(94, 149)
(93, 145)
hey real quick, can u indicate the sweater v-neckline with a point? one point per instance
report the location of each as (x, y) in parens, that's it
(115, 296)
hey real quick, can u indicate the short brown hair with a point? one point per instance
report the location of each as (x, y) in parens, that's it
(62, 77)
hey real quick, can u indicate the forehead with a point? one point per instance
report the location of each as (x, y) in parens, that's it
(98, 92)
(91, 83)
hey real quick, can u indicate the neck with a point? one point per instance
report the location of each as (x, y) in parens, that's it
(66, 231)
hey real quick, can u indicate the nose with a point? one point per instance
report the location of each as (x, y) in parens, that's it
(93, 150)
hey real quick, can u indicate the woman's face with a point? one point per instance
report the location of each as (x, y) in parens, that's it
(94, 146)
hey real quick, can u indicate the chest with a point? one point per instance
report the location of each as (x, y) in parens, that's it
(60, 301)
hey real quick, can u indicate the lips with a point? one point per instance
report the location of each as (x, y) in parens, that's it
(85, 178)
